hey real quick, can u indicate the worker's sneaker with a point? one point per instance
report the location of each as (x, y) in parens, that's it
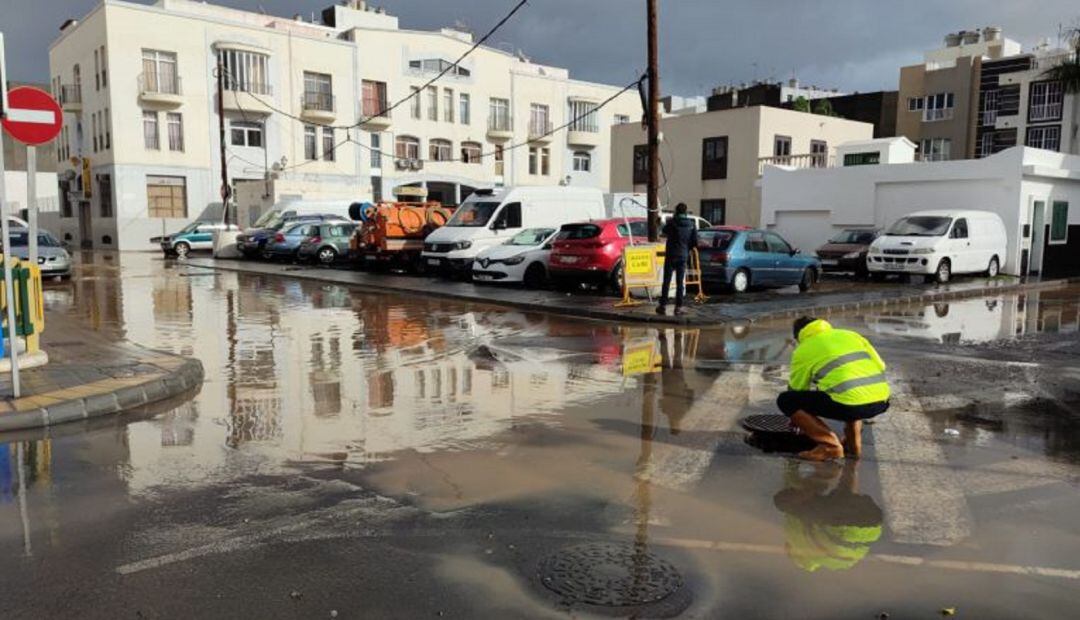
(823, 452)
(661, 310)
(680, 311)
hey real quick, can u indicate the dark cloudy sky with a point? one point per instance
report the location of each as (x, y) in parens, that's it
(848, 44)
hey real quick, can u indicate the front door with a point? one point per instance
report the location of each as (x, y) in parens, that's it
(1038, 236)
(86, 235)
(761, 262)
(960, 250)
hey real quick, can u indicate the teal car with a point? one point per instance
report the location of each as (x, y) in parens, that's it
(195, 236)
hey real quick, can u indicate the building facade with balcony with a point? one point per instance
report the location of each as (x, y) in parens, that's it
(712, 161)
(307, 110)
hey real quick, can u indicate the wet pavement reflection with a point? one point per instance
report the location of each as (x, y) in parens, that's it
(508, 437)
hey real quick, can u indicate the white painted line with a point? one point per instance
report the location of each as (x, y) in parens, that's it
(38, 117)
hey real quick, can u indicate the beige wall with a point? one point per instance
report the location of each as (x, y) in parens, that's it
(750, 132)
(963, 81)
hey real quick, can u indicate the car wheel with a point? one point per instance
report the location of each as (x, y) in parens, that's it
(740, 282)
(994, 268)
(535, 276)
(327, 256)
(182, 249)
(944, 272)
(807, 282)
(615, 282)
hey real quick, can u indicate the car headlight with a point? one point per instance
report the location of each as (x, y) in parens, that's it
(515, 260)
(463, 245)
(851, 255)
(923, 251)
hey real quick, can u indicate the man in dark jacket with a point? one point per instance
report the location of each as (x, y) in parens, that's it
(681, 233)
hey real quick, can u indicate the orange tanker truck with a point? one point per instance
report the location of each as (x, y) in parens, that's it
(391, 234)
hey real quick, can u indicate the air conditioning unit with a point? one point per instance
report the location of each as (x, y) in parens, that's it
(416, 164)
(401, 164)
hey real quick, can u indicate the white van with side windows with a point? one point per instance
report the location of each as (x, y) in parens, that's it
(939, 244)
(491, 217)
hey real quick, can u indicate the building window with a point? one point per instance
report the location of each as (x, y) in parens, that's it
(819, 152)
(869, 158)
(438, 65)
(539, 161)
(622, 119)
(94, 131)
(935, 149)
(407, 147)
(500, 115)
(415, 102)
(376, 151)
(159, 72)
(432, 103)
(914, 104)
(714, 211)
(500, 160)
(105, 194)
(641, 164)
(988, 114)
(713, 158)
(97, 71)
(1059, 222)
(539, 120)
(318, 92)
(329, 146)
(545, 161)
(376, 189)
(582, 162)
(448, 105)
(440, 150)
(175, 125)
(1045, 101)
(1048, 137)
(62, 190)
(247, 72)
(986, 145)
(246, 133)
(938, 107)
(781, 146)
(373, 98)
(311, 145)
(583, 117)
(108, 130)
(166, 196)
(150, 130)
(104, 68)
(464, 109)
(470, 152)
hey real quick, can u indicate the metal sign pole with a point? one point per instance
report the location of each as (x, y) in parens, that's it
(31, 203)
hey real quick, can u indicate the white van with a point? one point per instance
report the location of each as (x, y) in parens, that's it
(491, 217)
(938, 244)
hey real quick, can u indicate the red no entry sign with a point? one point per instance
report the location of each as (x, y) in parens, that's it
(33, 116)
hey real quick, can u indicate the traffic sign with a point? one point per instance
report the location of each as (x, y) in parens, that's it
(33, 116)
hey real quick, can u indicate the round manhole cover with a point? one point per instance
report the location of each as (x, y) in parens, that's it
(609, 574)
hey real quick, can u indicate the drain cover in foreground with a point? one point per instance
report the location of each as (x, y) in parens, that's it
(613, 575)
(767, 424)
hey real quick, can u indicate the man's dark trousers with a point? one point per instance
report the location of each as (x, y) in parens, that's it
(677, 267)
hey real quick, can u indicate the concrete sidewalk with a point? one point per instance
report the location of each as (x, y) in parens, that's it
(88, 377)
(719, 310)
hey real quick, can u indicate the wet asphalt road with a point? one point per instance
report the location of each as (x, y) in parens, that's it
(390, 457)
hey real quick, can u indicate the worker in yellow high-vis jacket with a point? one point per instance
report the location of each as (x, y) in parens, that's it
(851, 387)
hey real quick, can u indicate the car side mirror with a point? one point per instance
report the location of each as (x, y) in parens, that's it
(548, 246)
(498, 225)
(795, 251)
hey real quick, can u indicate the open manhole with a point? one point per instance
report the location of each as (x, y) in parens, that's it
(609, 574)
(767, 424)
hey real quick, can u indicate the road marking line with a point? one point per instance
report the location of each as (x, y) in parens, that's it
(36, 117)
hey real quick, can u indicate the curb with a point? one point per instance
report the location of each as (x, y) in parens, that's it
(188, 376)
(927, 295)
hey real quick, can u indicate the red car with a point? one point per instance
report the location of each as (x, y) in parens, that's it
(591, 252)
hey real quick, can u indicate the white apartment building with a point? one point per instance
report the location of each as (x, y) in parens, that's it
(712, 161)
(307, 112)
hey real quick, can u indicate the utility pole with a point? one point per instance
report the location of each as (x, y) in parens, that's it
(653, 122)
(226, 192)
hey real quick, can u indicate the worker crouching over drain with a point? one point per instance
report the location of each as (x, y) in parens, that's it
(851, 387)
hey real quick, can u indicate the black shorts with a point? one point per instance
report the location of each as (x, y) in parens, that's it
(819, 404)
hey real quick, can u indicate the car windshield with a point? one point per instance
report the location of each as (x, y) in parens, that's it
(473, 214)
(920, 226)
(189, 228)
(578, 231)
(854, 237)
(270, 219)
(530, 237)
(22, 239)
(715, 239)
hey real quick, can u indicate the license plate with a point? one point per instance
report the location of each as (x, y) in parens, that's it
(829, 262)
(482, 278)
(569, 260)
(369, 257)
(434, 262)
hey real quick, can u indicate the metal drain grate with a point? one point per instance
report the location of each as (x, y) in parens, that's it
(609, 574)
(767, 424)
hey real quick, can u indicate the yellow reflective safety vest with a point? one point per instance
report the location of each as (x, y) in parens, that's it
(840, 363)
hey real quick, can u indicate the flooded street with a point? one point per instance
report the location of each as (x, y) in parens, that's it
(356, 455)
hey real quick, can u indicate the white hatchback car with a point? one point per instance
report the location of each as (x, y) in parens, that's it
(523, 258)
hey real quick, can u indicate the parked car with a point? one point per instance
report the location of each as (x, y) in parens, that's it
(253, 241)
(524, 258)
(939, 244)
(196, 236)
(393, 233)
(739, 259)
(591, 252)
(329, 242)
(490, 217)
(285, 245)
(847, 250)
(53, 259)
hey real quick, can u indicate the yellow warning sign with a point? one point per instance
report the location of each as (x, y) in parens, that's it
(641, 359)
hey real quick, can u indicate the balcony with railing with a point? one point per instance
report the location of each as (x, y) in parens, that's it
(247, 97)
(160, 88)
(318, 106)
(988, 118)
(937, 114)
(1045, 111)
(375, 110)
(584, 131)
(540, 129)
(500, 125)
(71, 97)
(797, 162)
